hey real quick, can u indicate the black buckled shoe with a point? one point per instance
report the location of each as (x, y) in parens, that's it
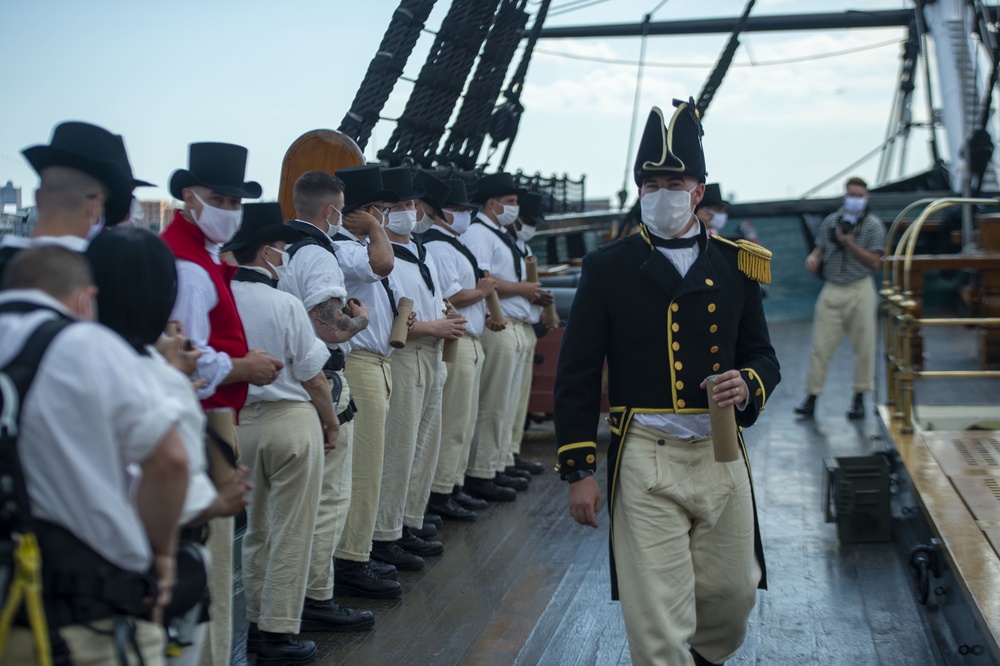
(356, 579)
(446, 507)
(857, 410)
(282, 649)
(515, 472)
(467, 501)
(330, 616)
(391, 553)
(433, 519)
(529, 465)
(513, 482)
(485, 489)
(383, 570)
(417, 546)
(807, 408)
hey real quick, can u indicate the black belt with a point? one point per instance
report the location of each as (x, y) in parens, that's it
(348, 413)
(336, 361)
(197, 534)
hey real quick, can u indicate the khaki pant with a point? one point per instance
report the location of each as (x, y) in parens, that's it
(495, 413)
(460, 400)
(425, 459)
(844, 309)
(521, 394)
(371, 383)
(683, 538)
(334, 503)
(282, 444)
(88, 647)
(414, 369)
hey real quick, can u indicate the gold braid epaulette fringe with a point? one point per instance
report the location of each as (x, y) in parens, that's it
(753, 260)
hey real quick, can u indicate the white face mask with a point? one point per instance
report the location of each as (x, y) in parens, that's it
(667, 212)
(402, 221)
(718, 221)
(525, 233)
(219, 226)
(333, 228)
(460, 221)
(424, 222)
(855, 204)
(279, 270)
(509, 215)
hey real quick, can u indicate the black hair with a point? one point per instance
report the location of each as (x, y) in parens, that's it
(247, 255)
(136, 280)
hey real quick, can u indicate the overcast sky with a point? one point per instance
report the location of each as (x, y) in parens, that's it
(262, 73)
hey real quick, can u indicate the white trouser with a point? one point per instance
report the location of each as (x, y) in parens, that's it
(460, 402)
(522, 392)
(425, 459)
(495, 413)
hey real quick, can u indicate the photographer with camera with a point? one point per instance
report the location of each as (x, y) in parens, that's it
(849, 247)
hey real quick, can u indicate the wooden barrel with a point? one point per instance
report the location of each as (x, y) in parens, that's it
(318, 150)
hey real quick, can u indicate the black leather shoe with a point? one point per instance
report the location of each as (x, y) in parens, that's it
(391, 553)
(417, 546)
(425, 531)
(465, 500)
(529, 465)
(701, 661)
(356, 579)
(485, 489)
(807, 408)
(433, 519)
(857, 410)
(284, 649)
(383, 570)
(446, 507)
(253, 637)
(516, 473)
(515, 482)
(330, 616)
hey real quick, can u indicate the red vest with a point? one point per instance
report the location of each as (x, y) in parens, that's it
(188, 243)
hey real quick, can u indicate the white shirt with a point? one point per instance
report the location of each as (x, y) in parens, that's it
(90, 413)
(407, 281)
(456, 275)
(278, 323)
(74, 243)
(196, 297)
(365, 285)
(496, 257)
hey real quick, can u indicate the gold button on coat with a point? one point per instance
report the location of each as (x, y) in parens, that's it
(714, 349)
(712, 329)
(674, 307)
(675, 327)
(715, 367)
(680, 404)
(591, 458)
(678, 366)
(709, 282)
(676, 346)
(679, 385)
(711, 307)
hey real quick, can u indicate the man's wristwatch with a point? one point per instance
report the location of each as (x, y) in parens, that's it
(573, 477)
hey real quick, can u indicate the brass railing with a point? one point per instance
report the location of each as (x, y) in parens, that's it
(901, 324)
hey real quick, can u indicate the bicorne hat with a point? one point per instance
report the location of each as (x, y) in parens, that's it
(94, 151)
(713, 196)
(221, 167)
(530, 204)
(262, 223)
(458, 197)
(363, 185)
(671, 149)
(435, 190)
(495, 185)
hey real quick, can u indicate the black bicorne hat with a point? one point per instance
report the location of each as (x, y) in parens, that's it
(530, 204)
(94, 151)
(435, 190)
(363, 185)
(221, 167)
(400, 180)
(713, 196)
(671, 149)
(262, 223)
(498, 184)
(458, 195)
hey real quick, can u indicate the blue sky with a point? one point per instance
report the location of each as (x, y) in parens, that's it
(262, 73)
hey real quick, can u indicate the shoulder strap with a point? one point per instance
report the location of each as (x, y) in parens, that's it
(243, 274)
(434, 235)
(311, 236)
(515, 252)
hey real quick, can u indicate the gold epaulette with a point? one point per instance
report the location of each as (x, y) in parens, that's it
(753, 260)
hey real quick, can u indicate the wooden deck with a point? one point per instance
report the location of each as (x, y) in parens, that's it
(526, 585)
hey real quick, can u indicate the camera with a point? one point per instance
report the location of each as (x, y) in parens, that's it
(844, 226)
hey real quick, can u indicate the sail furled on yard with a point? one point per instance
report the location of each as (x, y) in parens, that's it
(419, 129)
(385, 69)
(469, 131)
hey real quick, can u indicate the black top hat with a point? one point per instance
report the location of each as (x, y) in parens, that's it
(674, 149)
(94, 151)
(220, 167)
(530, 204)
(262, 223)
(713, 196)
(457, 195)
(498, 184)
(363, 185)
(435, 190)
(115, 214)
(400, 180)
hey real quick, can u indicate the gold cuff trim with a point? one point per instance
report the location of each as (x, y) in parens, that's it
(578, 445)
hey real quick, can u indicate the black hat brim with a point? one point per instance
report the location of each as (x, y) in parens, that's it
(183, 178)
(266, 234)
(381, 195)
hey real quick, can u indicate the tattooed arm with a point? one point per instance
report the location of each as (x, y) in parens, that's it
(333, 325)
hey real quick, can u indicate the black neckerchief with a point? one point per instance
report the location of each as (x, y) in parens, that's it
(432, 235)
(673, 243)
(339, 236)
(313, 236)
(404, 253)
(511, 245)
(244, 274)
